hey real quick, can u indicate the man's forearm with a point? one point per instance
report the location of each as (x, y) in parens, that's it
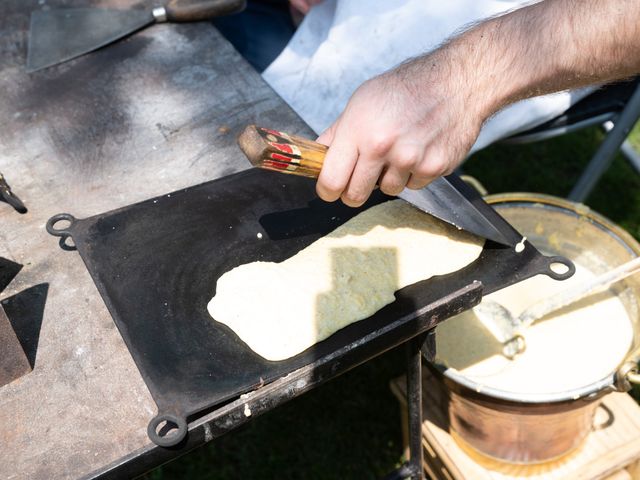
(547, 47)
(418, 121)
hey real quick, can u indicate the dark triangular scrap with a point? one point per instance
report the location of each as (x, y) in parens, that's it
(25, 311)
(8, 271)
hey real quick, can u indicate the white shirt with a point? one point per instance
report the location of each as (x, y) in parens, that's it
(342, 43)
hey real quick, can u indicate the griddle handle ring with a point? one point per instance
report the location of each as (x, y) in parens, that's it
(60, 232)
(571, 268)
(63, 233)
(174, 437)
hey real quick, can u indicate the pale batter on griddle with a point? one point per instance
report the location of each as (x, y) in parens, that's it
(281, 309)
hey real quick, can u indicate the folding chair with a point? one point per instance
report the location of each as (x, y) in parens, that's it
(617, 108)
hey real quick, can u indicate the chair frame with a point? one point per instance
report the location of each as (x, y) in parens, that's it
(617, 124)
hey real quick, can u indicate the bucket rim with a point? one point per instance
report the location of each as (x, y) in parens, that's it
(587, 392)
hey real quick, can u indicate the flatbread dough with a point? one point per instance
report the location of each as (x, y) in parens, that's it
(568, 349)
(281, 309)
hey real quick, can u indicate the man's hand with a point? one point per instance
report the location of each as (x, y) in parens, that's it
(303, 6)
(403, 128)
(418, 121)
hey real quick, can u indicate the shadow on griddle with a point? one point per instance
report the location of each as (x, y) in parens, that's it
(362, 264)
(412, 298)
(318, 218)
(361, 280)
(24, 311)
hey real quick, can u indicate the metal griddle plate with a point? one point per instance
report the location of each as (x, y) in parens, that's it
(156, 264)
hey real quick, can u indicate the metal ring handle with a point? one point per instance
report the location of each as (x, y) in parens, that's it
(174, 437)
(514, 346)
(571, 268)
(60, 232)
(633, 377)
(626, 376)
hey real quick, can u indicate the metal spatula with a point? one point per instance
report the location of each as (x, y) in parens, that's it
(448, 198)
(510, 330)
(58, 35)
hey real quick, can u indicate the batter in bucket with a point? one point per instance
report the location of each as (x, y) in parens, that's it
(568, 349)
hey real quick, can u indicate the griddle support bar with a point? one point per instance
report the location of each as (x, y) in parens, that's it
(412, 469)
(414, 399)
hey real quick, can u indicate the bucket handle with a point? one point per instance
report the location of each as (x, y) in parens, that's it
(633, 377)
(627, 376)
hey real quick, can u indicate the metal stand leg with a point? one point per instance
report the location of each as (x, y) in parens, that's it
(414, 400)
(412, 469)
(632, 155)
(626, 148)
(604, 156)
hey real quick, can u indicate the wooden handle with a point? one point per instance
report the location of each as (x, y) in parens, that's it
(196, 10)
(273, 150)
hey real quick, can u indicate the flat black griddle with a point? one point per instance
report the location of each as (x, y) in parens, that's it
(156, 264)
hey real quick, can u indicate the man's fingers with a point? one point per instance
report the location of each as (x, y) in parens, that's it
(363, 180)
(393, 181)
(301, 5)
(326, 137)
(337, 168)
(416, 183)
(434, 164)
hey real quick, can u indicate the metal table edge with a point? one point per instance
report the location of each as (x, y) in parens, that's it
(233, 414)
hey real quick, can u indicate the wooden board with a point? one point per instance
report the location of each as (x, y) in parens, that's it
(611, 451)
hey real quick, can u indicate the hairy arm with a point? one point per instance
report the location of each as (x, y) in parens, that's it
(419, 120)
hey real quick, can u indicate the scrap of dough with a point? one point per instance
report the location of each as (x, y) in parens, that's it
(281, 309)
(571, 348)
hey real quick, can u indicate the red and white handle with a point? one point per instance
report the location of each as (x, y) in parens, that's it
(274, 150)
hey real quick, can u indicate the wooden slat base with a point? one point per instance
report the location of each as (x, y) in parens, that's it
(611, 451)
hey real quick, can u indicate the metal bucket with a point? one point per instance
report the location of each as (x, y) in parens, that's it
(536, 428)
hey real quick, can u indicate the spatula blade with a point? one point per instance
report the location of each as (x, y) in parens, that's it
(450, 199)
(56, 36)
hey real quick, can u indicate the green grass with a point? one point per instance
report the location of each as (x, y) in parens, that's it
(554, 166)
(350, 427)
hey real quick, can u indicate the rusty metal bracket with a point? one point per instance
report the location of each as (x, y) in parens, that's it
(9, 197)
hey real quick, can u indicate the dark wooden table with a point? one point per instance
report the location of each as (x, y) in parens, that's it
(151, 114)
